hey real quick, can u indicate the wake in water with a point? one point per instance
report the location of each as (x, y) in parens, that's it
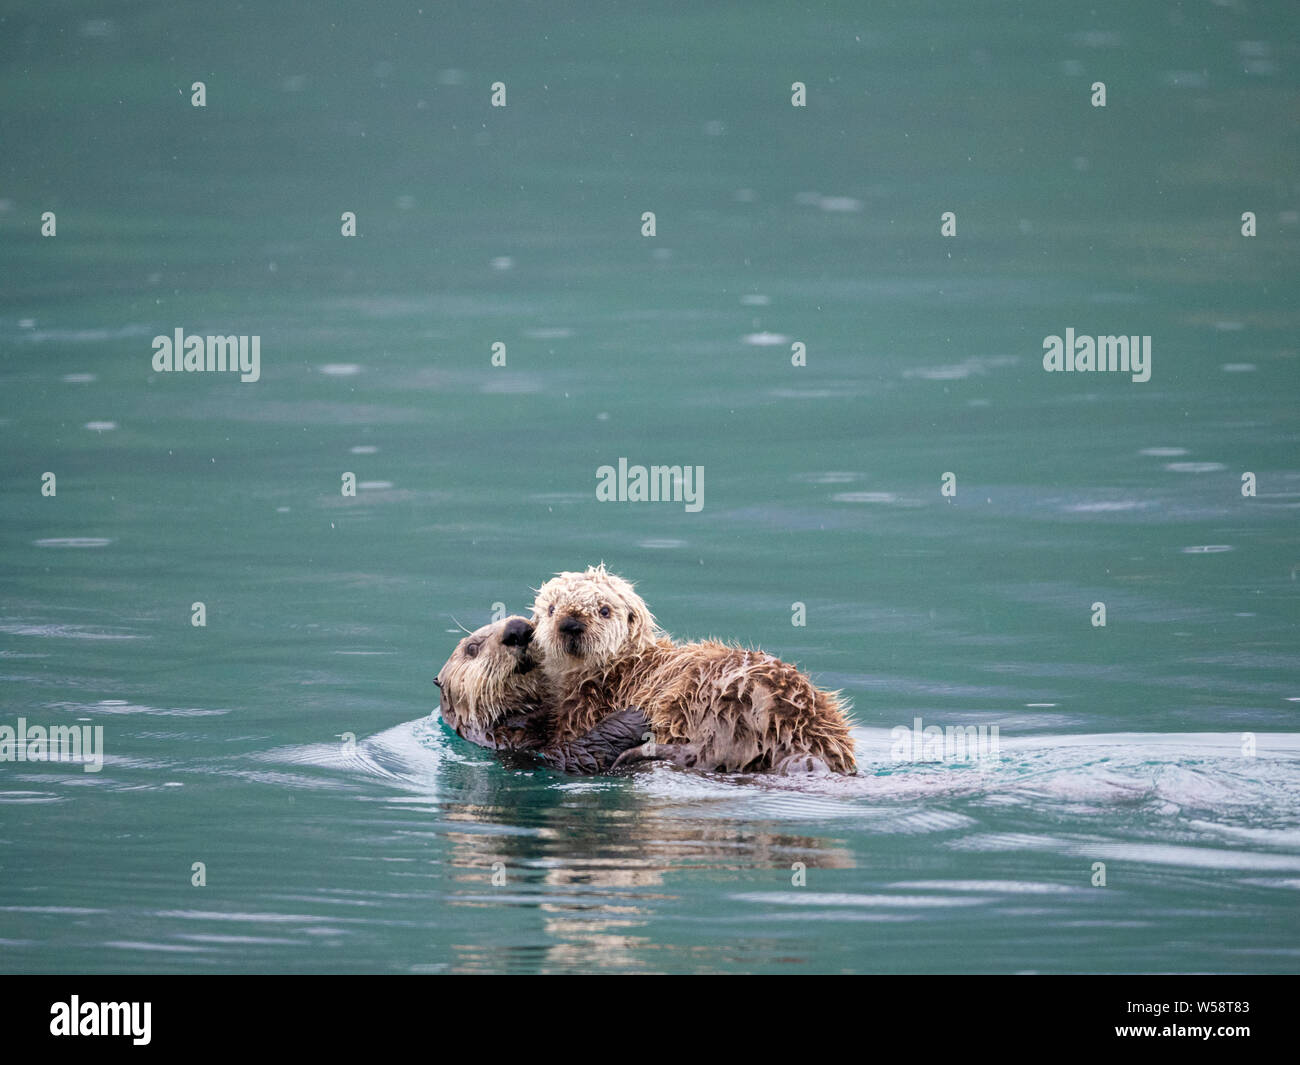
(1201, 780)
(1178, 813)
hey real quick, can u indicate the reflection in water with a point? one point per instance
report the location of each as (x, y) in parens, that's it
(592, 862)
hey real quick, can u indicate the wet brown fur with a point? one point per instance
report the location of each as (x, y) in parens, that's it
(740, 710)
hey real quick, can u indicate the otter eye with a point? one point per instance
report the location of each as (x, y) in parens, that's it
(551, 612)
(471, 650)
(604, 612)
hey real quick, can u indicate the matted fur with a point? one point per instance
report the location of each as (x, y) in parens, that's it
(741, 710)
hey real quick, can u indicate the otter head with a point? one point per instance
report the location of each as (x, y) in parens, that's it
(490, 675)
(586, 620)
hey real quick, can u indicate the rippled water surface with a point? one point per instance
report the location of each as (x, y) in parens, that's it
(287, 745)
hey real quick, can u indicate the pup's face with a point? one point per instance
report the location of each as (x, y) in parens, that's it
(491, 674)
(586, 620)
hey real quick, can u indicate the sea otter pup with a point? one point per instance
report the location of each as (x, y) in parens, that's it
(493, 695)
(710, 706)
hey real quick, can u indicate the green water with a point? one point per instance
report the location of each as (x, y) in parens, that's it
(328, 615)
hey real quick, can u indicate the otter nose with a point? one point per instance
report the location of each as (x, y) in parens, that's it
(518, 633)
(571, 626)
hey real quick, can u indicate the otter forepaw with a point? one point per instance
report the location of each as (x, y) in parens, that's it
(680, 754)
(802, 764)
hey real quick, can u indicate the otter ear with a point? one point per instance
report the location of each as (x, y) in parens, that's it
(640, 625)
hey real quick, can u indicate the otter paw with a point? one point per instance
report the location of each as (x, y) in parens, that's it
(802, 765)
(679, 754)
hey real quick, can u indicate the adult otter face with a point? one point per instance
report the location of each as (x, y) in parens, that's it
(585, 620)
(491, 675)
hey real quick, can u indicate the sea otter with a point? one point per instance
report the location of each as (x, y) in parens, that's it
(494, 695)
(712, 706)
